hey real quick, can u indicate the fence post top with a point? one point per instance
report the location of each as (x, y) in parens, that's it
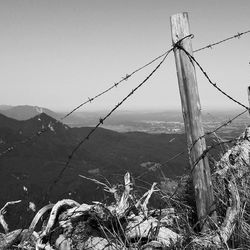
(180, 14)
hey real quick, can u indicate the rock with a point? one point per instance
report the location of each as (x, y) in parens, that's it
(63, 243)
(151, 228)
(167, 237)
(139, 227)
(98, 243)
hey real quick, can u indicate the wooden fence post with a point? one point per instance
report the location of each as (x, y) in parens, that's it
(191, 110)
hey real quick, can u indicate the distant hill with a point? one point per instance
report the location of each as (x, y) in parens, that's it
(5, 107)
(28, 170)
(24, 112)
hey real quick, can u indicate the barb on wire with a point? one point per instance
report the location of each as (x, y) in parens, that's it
(210, 46)
(177, 45)
(101, 120)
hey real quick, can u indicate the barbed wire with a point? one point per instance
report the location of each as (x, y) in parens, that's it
(210, 46)
(125, 79)
(44, 130)
(40, 132)
(205, 134)
(238, 35)
(218, 128)
(101, 120)
(209, 148)
(192, 59)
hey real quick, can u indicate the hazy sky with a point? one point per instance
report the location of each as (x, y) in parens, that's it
(57, 53)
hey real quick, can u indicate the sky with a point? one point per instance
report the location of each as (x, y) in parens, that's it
(57, 53)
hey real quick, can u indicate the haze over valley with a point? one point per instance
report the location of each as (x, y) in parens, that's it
(168, 121)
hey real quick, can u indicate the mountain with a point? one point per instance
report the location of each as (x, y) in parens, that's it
(24, 112)
(33, 165)
(5, 107)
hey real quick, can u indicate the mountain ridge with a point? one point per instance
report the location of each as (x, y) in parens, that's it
(24, 112)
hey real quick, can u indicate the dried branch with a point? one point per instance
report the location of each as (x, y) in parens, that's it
(3, 211)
